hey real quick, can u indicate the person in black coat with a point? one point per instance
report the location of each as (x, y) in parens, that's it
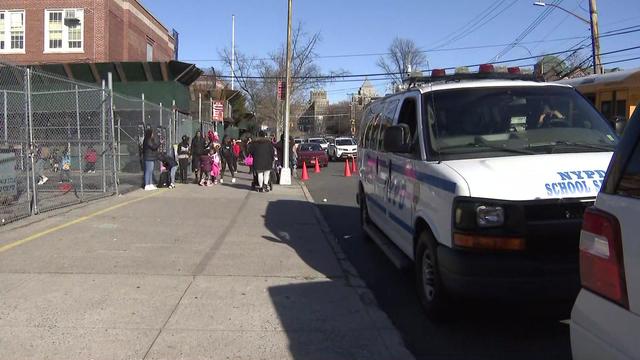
(262, 151)
(150, 147)
(184, 152)
(228, 159)
(198, 145)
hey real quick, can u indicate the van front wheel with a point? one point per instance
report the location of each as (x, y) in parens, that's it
(428, 282)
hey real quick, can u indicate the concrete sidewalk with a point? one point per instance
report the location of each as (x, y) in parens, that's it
(189, 273)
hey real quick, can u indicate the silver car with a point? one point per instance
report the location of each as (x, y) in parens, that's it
(605, 321)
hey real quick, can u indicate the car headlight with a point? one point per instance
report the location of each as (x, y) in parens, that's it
(489, 216)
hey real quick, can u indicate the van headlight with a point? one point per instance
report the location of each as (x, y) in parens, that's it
(471, 214)
(489, 216)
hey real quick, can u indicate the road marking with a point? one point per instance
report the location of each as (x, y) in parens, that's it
(73, 222)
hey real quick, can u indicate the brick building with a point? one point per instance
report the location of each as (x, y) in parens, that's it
(86, 31)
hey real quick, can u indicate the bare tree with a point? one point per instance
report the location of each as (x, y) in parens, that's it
(258, 78)
(403, 57)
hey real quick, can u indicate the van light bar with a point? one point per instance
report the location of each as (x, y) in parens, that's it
(485, 68)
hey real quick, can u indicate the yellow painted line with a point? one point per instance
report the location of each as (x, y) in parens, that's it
(73, 222)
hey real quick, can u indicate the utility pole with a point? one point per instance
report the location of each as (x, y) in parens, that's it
(285, 173)
(233, 50)
(595, 38)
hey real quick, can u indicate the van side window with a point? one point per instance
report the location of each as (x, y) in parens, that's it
(366, 120)
(408, 117)
(386, 120)
(372, 133)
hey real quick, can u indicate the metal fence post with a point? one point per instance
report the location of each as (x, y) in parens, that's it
(29, 113)
(114, 146)
(144, 122)
(160, 114)
(103, 133)
(79, 143)
(6, 119)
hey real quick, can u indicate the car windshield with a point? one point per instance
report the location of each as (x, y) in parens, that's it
(317, 141)
(345, 142)
(494, 121)
(310, 147)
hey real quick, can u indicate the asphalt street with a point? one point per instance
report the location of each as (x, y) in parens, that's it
(475, 330)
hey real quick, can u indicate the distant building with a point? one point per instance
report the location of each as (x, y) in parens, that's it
(85, 31)
(312, 121)
(359, 100)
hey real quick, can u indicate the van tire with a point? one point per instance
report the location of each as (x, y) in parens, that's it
(428, 281)
(364, 215)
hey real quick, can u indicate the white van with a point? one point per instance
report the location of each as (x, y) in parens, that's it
(480, 182)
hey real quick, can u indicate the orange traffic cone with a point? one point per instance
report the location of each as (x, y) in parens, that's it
(305, 175)
(354, 169)
(317, 169)
(347, 170)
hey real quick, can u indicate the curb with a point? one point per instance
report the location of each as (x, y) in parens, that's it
(386, 330)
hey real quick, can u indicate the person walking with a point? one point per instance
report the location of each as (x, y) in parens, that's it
(228, 159)
(150, 147)
(183, 157)
(197, 150)
(263, 156)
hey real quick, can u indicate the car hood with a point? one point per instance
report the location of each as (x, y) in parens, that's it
(534, 176)
(347, 147)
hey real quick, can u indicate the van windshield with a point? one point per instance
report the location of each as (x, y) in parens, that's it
(498, 121)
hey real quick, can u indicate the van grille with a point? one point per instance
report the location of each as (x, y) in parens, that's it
(554, 228)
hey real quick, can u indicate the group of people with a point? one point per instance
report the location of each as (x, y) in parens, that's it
(210, 159)
(59, 161)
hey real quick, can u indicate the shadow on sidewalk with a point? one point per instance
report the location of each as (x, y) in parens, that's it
(322, 317)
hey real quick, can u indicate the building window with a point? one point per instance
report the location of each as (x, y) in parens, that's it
(149, 52)
(12, 31)
(64, 30)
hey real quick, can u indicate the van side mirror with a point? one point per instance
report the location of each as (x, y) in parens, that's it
(395, 139)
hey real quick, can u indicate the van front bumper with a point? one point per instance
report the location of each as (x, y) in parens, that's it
(509, 275)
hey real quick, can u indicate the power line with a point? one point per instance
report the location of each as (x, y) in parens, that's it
(534, 24)
(623, 60)
(609, 33)
(475, 18)
(478, 24)
(387, 76)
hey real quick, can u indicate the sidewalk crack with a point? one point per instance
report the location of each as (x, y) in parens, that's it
(193, 278)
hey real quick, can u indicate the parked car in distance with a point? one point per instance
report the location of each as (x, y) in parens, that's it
(605, 321)
(298, 140)
(343, 148)
(309, 152)
(321, 141)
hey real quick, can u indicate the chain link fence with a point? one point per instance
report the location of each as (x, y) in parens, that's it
(63, 142)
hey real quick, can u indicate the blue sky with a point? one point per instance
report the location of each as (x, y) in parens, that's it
(351, 27)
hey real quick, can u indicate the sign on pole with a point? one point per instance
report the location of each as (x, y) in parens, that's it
(282, 90)
(217, 110)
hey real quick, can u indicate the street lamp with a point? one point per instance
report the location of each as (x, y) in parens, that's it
(593, 24)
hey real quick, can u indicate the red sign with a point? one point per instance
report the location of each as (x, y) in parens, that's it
(217, 110)
(282, 90)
